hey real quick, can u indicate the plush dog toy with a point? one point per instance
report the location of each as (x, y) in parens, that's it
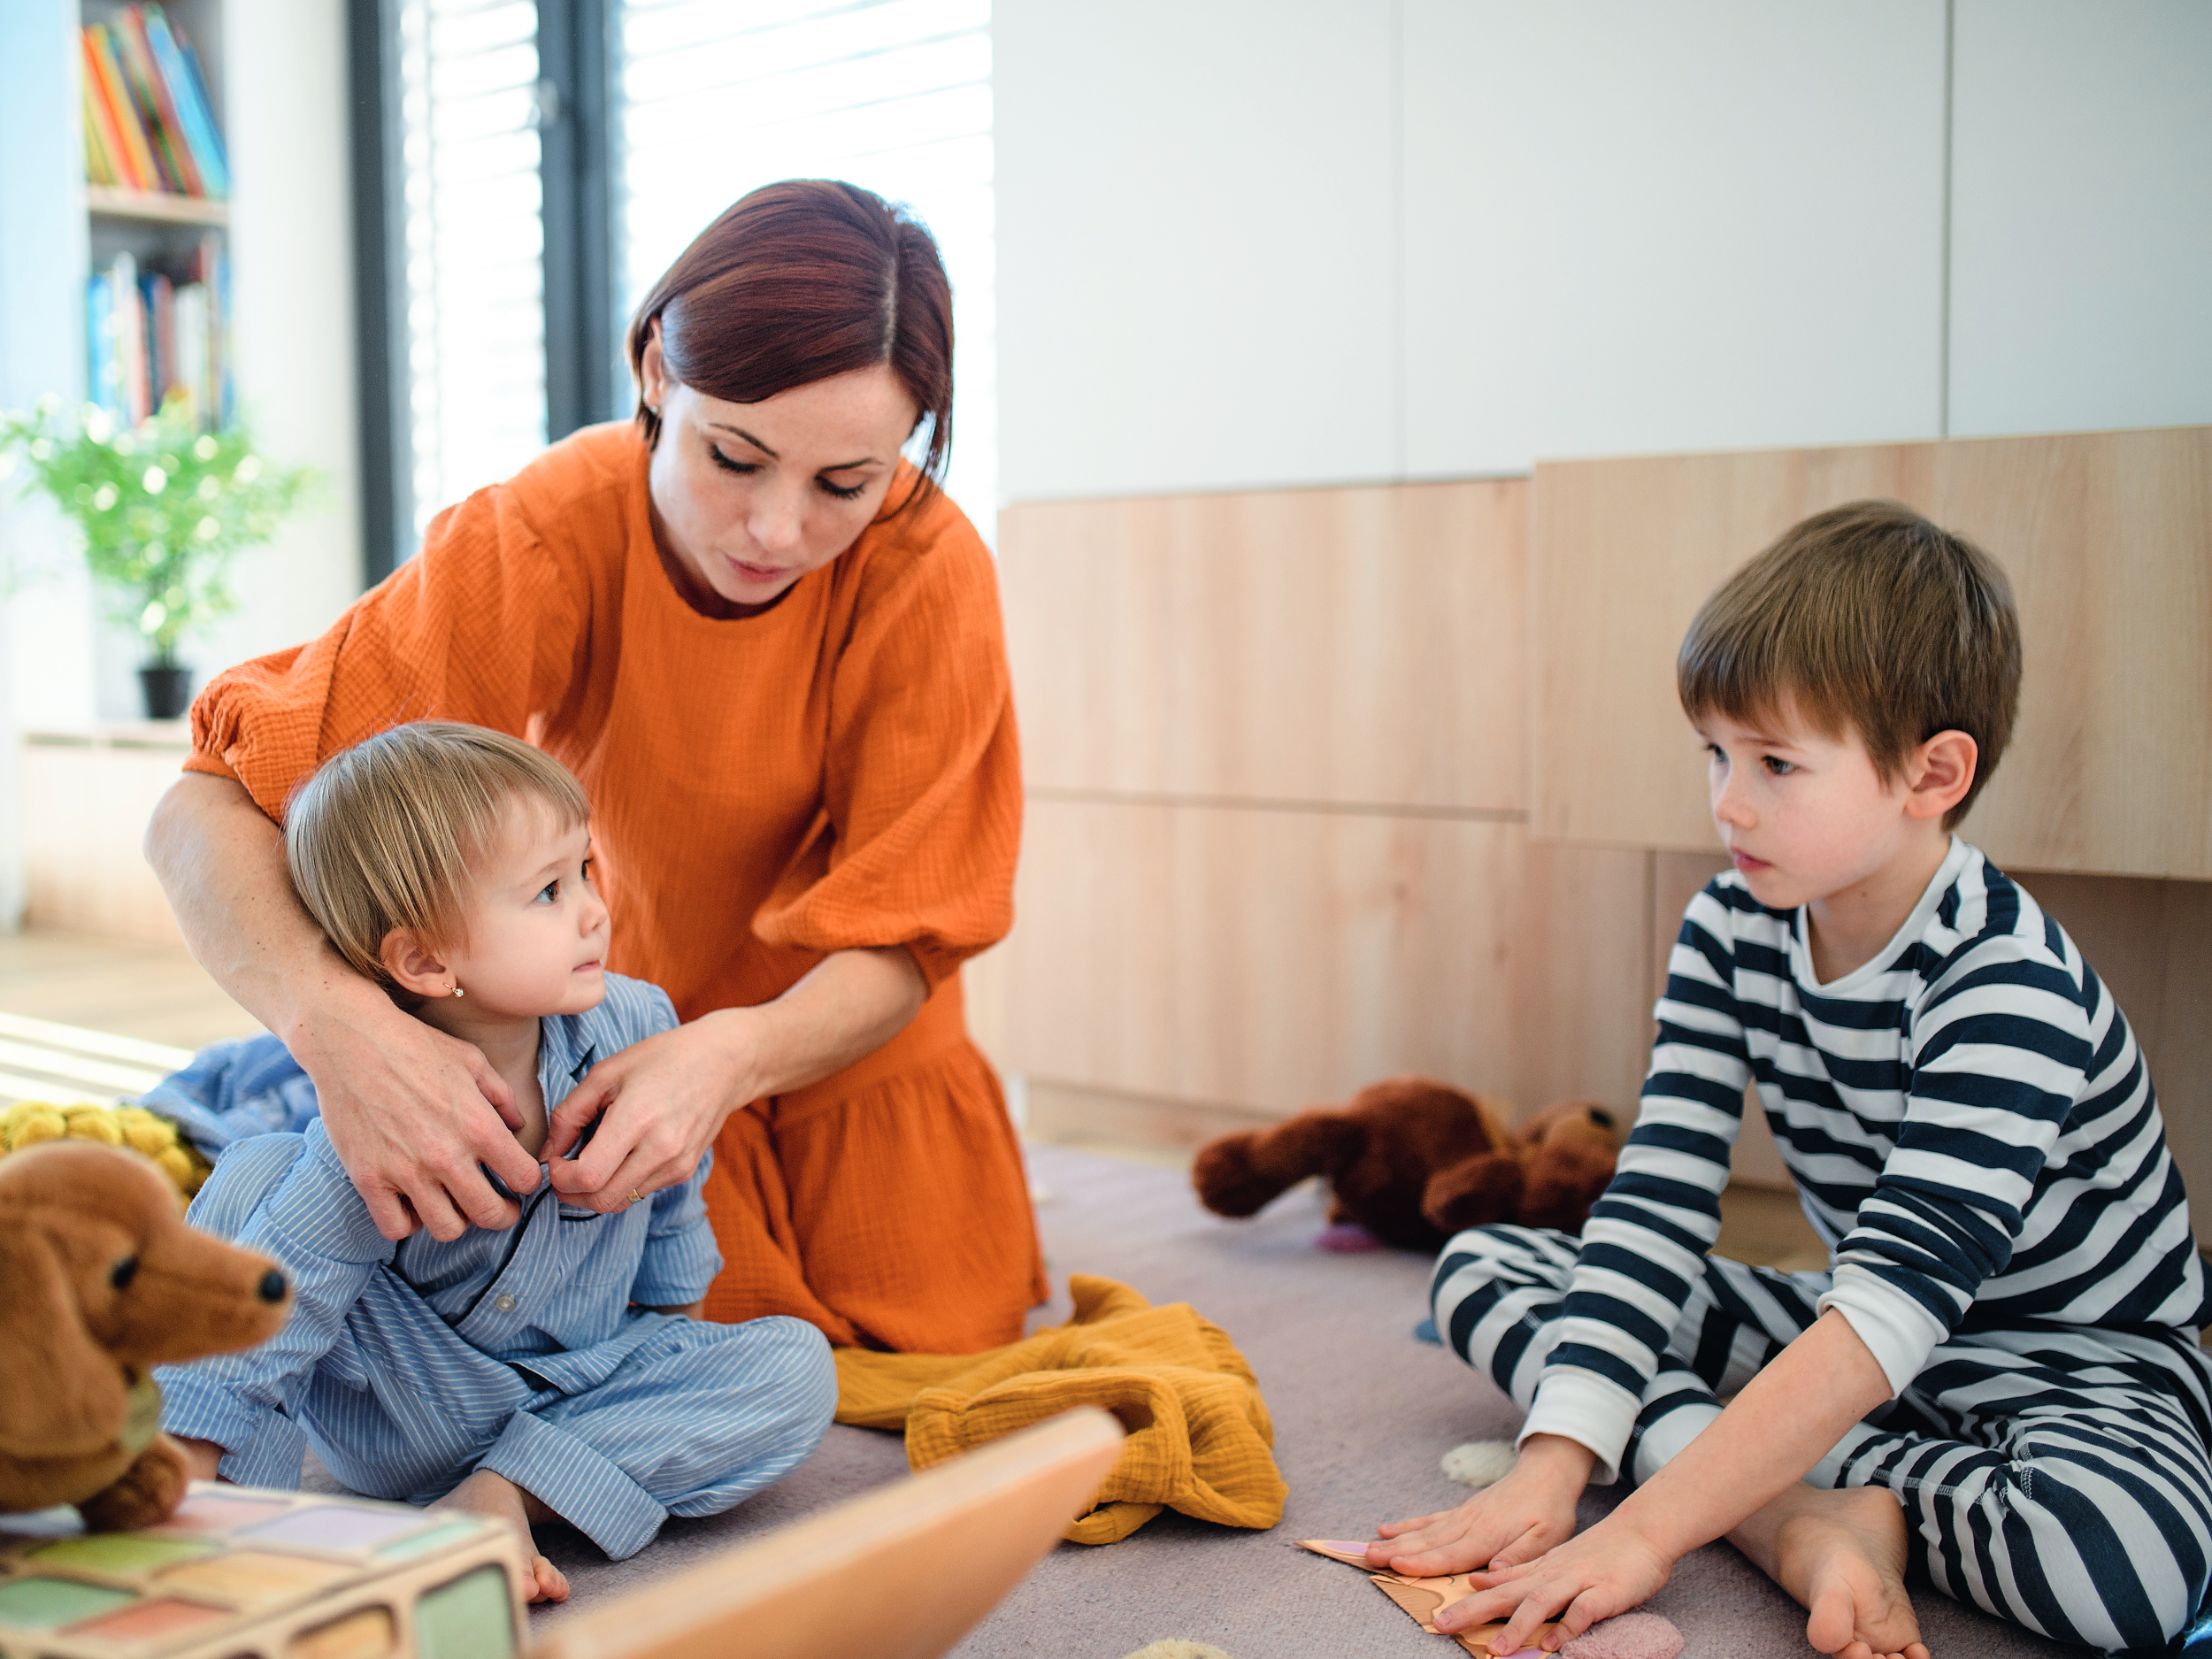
(1413, 1162)
(104, 1280)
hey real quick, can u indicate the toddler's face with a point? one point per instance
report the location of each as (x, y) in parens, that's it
(1804, 815)
(537, 939)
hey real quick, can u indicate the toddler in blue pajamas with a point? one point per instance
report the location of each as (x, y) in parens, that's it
(547, 1372)
(1997, 1382)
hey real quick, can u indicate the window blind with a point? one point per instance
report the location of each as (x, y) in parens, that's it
(716, 98)
(469, 97)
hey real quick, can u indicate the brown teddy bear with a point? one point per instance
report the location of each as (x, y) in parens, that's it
(1412, 1162)
(105, 1280)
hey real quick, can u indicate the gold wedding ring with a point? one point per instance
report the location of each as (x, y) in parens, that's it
(635, 1195)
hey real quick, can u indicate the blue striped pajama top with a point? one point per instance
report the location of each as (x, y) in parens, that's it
(551, 1296)
(1972, 1127)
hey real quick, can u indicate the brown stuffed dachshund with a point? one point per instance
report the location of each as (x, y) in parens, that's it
(104, 1280)
(1414, 1161)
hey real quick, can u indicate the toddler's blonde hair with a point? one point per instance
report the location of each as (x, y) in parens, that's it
(383, 835)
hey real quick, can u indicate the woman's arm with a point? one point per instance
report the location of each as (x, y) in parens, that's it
(412, 1112)
(666, 1098)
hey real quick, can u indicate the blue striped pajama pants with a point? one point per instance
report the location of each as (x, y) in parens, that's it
(2057, 1477)
(693, 1420)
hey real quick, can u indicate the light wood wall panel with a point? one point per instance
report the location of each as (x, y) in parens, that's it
(1323, 646)
(2108, 538)
(1270, 961)
(85, 807)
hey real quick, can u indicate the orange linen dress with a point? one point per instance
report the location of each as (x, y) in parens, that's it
(839, 771)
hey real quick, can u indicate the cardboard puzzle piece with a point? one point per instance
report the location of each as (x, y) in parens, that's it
(1422, 1599)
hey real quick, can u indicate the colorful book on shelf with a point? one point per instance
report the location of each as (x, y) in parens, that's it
(149, 122)
(135, 154)
(99, 151)
(180, 75)
(156, 111)
(158, 334)
(104, 375)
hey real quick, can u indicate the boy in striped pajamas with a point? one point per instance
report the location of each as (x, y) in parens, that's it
(547, 1372)
(1999, 1382)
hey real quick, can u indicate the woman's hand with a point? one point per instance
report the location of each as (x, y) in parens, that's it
(1530, 1511)
(1608, 1569)
(664, 1101)
(413, 1113)
(666, 1098)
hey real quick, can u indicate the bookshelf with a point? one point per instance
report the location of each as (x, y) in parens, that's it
(151, 134)
(107, 201)
(276, 72)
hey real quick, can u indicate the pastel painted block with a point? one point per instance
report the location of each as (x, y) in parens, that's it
(242, 1574)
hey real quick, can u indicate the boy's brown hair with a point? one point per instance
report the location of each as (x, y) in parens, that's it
(383, 834)
(1867, 618)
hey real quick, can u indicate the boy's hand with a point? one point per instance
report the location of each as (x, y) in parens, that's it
(1608, 1569)
(1530, 1511)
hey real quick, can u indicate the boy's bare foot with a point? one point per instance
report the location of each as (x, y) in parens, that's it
(1842, 1555)
(485, 1493)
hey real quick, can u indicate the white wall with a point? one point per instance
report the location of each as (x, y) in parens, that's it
(2081, 230)
(1310, 243)
(283, 78)
(1196, 267)
(284, 69)
(41, 281)
(1634, 226)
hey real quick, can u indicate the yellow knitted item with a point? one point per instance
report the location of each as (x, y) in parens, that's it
(1199, 1433)
(28, 1122)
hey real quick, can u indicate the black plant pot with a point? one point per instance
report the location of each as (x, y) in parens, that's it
(168, 690)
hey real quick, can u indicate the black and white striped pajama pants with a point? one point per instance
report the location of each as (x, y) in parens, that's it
(2057, 1477)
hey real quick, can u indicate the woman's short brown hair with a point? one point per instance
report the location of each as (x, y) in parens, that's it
(1867, 618)
(798, 282)
(383, 834)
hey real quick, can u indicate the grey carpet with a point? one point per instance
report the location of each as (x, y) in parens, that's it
(1362, 1414)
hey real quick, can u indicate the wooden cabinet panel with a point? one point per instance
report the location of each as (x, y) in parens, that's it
(1620, 556)
(1344, 646)
(85, 807)
(2106, 536)
(1275, 960)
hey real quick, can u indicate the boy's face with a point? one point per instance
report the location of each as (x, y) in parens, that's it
(538, 929)
(1804, 815)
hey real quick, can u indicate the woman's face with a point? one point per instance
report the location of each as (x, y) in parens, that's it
(749, 497)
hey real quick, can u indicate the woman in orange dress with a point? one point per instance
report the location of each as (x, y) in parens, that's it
(771, 649)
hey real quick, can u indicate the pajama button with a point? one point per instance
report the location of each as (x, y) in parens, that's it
(505, 1304)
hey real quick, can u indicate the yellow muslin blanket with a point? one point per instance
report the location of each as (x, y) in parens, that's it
(1199, 1433)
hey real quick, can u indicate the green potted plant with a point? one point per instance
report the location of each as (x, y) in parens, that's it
(164, 508)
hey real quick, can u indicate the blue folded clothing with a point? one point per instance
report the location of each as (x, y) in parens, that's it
(251, 1087)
